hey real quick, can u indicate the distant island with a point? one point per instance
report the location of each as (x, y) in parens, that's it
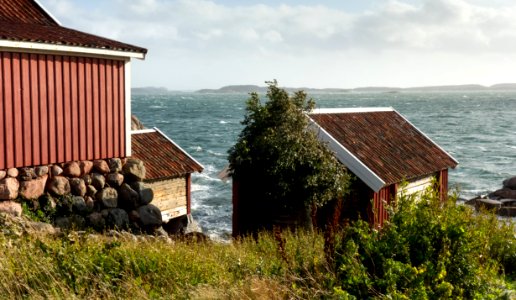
(371, 89)
(263, 89)
(236, 89)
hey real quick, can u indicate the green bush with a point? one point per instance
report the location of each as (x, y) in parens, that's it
(427, 250)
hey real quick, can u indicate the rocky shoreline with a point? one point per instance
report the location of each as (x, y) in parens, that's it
(501, 201)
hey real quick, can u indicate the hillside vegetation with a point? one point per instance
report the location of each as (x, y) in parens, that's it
(428, 251)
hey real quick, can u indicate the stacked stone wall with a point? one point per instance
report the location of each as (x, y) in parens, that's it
(100, 194)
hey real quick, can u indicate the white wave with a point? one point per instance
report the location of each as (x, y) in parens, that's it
(222, 122)
(199, 187)
(196, 148)
(216, 153)
(207, 177)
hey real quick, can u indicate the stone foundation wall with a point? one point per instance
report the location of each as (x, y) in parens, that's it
(170, 196)
(100, 194)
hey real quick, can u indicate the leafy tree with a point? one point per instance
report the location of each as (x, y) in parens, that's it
(278, 162)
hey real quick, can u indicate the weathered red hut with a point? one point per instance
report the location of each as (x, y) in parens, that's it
(383, 150)
(64, 94)
(387, 154)
(168, 171)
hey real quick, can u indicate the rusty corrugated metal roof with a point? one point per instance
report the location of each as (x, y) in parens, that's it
(26, 21)
(24, 11)
(163, 158)
(386, 143)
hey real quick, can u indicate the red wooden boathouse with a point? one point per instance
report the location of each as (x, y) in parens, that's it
(386, 153)
(169, 171)
(383, 150)
(64, 94)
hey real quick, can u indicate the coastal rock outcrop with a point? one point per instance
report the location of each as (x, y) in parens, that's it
(501, 201)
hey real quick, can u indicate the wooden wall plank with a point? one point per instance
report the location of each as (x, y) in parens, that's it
(82, 109)
(89, 107)
(96, 108)
(17, 109)
(44, 111)
(52, 139)
(60, 117)
(102, 111)
(116, 109)
(74, 107)
(8, 110)
(109, 108)
(35, 110)
(26, 110)
(67, 95)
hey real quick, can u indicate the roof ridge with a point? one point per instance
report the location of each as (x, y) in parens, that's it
(340, 110)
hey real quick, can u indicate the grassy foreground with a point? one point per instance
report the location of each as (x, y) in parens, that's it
(89, 267)
(428, 251)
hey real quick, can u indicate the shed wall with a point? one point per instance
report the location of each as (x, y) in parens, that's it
(443, 184)
(56, 108)
(171, 196)
(380, 201)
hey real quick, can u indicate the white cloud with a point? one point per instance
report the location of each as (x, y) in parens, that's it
(200, 36)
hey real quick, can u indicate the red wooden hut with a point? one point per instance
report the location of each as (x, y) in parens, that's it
(64, 94)
(386, 153)
(383, 150)
(169, 170)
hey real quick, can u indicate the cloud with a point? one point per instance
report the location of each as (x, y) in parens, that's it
(211, 35)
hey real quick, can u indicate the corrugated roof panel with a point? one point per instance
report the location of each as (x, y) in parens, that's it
(386, 143)
(163, 159)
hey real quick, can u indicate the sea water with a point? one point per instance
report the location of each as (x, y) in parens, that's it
(477, 128)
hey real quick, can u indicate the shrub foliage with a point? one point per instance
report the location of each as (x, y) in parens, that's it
(281, 159)
(428, 250)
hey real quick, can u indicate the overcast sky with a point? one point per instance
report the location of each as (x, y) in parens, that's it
(197, 44)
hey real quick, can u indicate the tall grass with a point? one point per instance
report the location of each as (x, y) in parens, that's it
(88, 266)
(427, 250)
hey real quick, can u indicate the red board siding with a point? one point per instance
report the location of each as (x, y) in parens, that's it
(443, 185)
(58, 108)
(380, 201)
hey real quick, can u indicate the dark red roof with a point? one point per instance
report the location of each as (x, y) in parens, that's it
(24, 11)
(59, 35)
(26, 21)
(386, 143)
(163, 158)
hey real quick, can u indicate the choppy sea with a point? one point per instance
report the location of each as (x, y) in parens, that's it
(477, 128)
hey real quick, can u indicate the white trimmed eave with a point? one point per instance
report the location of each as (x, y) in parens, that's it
(347, 158)
(9, 45)
(47, 12)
